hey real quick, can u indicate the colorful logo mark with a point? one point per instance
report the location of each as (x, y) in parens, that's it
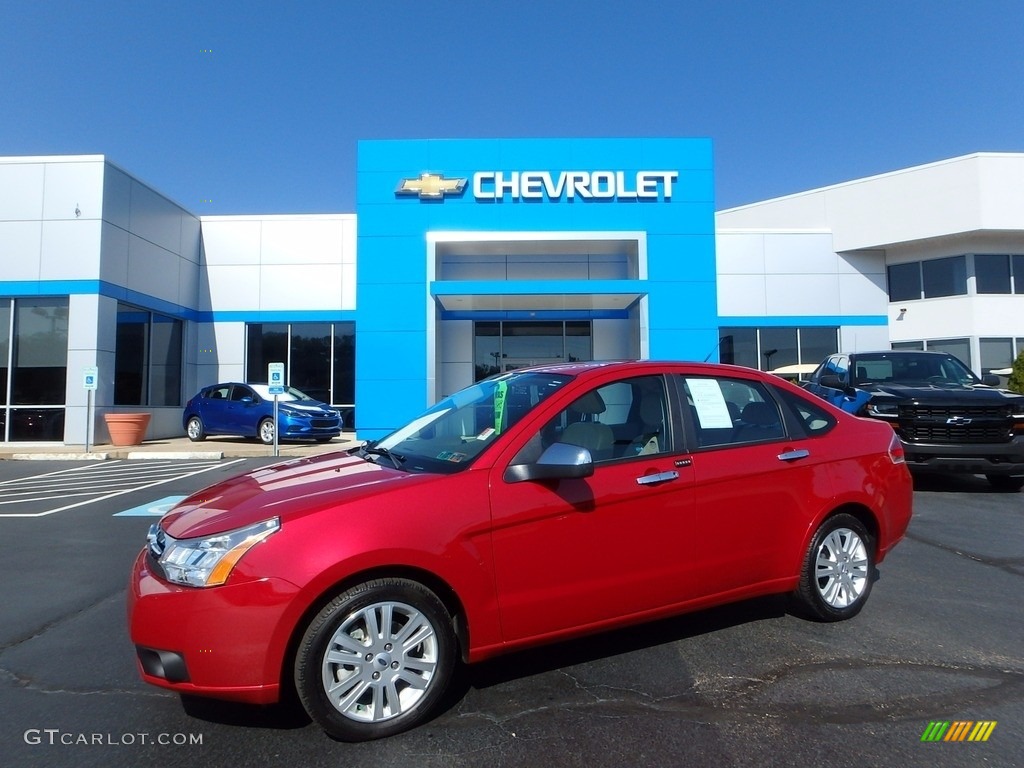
(958, 730)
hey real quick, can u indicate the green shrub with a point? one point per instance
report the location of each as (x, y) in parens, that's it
(1016, 382)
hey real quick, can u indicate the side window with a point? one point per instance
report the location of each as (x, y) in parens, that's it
(218, 393)
(616, 421)
(815, 419)
(238, 393)
(731, 411)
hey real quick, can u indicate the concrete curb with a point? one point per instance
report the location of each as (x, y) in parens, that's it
(56, 456)
(195, 455)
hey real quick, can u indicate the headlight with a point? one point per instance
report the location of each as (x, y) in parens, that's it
(209, 560)
(883, 410)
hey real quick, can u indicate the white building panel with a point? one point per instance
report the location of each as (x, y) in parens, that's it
(229, 289)
(231, 240)
(21, 191)
(802, 294)
(348, 287)
(20, 248)
(799, 254)
(152, 270)
(114, 259)
(300, 287)
(70, 250)
(301, 240)
(739, 253)
(742, 295)
(117, 197)
(73, 190)
(862, 295)
(155, 218)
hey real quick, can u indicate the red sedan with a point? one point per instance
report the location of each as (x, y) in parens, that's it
(538, 505)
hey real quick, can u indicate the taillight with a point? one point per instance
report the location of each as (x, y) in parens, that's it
(896, 453)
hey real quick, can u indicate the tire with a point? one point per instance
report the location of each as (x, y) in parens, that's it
(838, 570)
(195, 430)
(358, 682)
(265, 432)
(1007, 483)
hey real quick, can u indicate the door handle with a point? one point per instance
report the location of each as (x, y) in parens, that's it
(793, 455)
(660, 477)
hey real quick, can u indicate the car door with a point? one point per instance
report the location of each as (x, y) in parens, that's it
(758, 480)
(575, 552)
(213, 407)
(241, 414)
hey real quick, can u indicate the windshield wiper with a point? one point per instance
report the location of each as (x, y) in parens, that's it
(374, 450)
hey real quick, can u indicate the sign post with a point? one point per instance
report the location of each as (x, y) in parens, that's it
(90, 379)
(275, 378)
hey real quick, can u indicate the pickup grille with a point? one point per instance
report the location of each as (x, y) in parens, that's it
(956, 424)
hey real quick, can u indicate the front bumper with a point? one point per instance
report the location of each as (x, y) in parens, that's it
(208, 642)
(980, 459)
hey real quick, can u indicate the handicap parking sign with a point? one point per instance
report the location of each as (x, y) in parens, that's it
(275, 378)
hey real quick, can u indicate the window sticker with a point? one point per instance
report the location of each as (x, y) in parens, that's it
(500, 406)
(485, 434)
(709, 402)
(451, 456)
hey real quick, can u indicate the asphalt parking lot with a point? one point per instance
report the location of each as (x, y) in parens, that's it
(747, 685)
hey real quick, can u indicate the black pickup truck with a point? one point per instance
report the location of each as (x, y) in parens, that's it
(948, 419)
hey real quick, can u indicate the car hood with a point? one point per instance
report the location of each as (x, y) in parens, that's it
(926, 393)
(289, 489)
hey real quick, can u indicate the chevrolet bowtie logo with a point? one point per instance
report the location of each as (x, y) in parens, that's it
(431, 186)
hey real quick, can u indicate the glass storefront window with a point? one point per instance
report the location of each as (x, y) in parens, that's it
(996, 354)
(40, 350)
(769, 348)
(508, 345)
(960, 348)
(992, 273)
(147, 358)
(818, 343)
(905, 281)
(5, 349)
(778, 348)
(319, 358)
(1018, 273)
(738, 346)
(944, 277)
(33, 368)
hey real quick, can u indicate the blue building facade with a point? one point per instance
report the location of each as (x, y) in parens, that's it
(468, 244)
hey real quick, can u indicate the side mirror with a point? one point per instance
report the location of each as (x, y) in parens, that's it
(831, 381)
(559, 461)
(990, 380)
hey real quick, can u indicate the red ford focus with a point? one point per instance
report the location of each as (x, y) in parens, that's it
(531, 507)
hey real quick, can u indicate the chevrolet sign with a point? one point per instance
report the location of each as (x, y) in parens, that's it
(587, 185)
(538, 185)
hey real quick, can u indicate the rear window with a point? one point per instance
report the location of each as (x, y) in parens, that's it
(815, 419)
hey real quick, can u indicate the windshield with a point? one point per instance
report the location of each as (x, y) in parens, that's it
(911, 369)
(290, 394)
(450, 435)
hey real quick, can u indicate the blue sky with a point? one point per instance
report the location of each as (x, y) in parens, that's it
(256, 107)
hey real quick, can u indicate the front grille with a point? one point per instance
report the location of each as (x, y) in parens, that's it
(962, 424)
(323, 423)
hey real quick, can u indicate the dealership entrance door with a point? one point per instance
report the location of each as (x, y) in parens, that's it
(506, 345)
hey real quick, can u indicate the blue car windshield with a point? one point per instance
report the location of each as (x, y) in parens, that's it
(290, 394)
(448, 436)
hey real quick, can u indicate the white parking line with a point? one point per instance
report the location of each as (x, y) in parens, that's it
(55, 485)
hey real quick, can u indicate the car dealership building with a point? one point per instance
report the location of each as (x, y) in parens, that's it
(469, 257)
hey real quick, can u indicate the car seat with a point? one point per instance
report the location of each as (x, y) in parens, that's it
(596, 437)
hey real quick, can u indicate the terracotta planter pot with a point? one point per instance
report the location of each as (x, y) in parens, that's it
(127, 428)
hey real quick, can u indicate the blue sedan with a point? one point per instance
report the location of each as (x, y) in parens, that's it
(248, 410)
